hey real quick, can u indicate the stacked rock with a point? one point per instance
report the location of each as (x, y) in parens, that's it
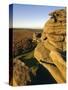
(55, 29)
(53, 43)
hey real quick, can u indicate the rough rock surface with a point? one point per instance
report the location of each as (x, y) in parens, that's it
(55, 30)
(53, 39)
(21, 75)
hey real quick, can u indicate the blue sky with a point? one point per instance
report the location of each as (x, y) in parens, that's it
(31, 16)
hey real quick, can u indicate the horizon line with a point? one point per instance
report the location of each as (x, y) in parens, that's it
(24, 28)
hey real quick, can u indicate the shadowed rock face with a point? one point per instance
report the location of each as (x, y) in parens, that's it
(53, 39)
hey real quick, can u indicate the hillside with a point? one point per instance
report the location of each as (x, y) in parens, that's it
(22, 37)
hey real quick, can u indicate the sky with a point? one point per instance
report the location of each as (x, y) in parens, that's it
(30, 16)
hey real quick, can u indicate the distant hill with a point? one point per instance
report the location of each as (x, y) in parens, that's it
(29, 29)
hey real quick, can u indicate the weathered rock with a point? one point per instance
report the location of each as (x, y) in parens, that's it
(42, 53)
(21, 75)
(54, 71)
(54, 28)
(53, 40)
(59, 15)
(53, 37)
(55, 31)
(49, 45)
(59, 62)
(37, 37)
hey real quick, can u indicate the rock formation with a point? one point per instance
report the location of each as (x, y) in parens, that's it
(49, 52)
(36, 37)
(21, 74)
(53, 43)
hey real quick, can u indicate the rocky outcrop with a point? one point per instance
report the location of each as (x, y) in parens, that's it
(55, 31)
(36, 37)
(21, 74)
(53, 39)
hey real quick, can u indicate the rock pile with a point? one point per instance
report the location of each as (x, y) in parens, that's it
(53, 39)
